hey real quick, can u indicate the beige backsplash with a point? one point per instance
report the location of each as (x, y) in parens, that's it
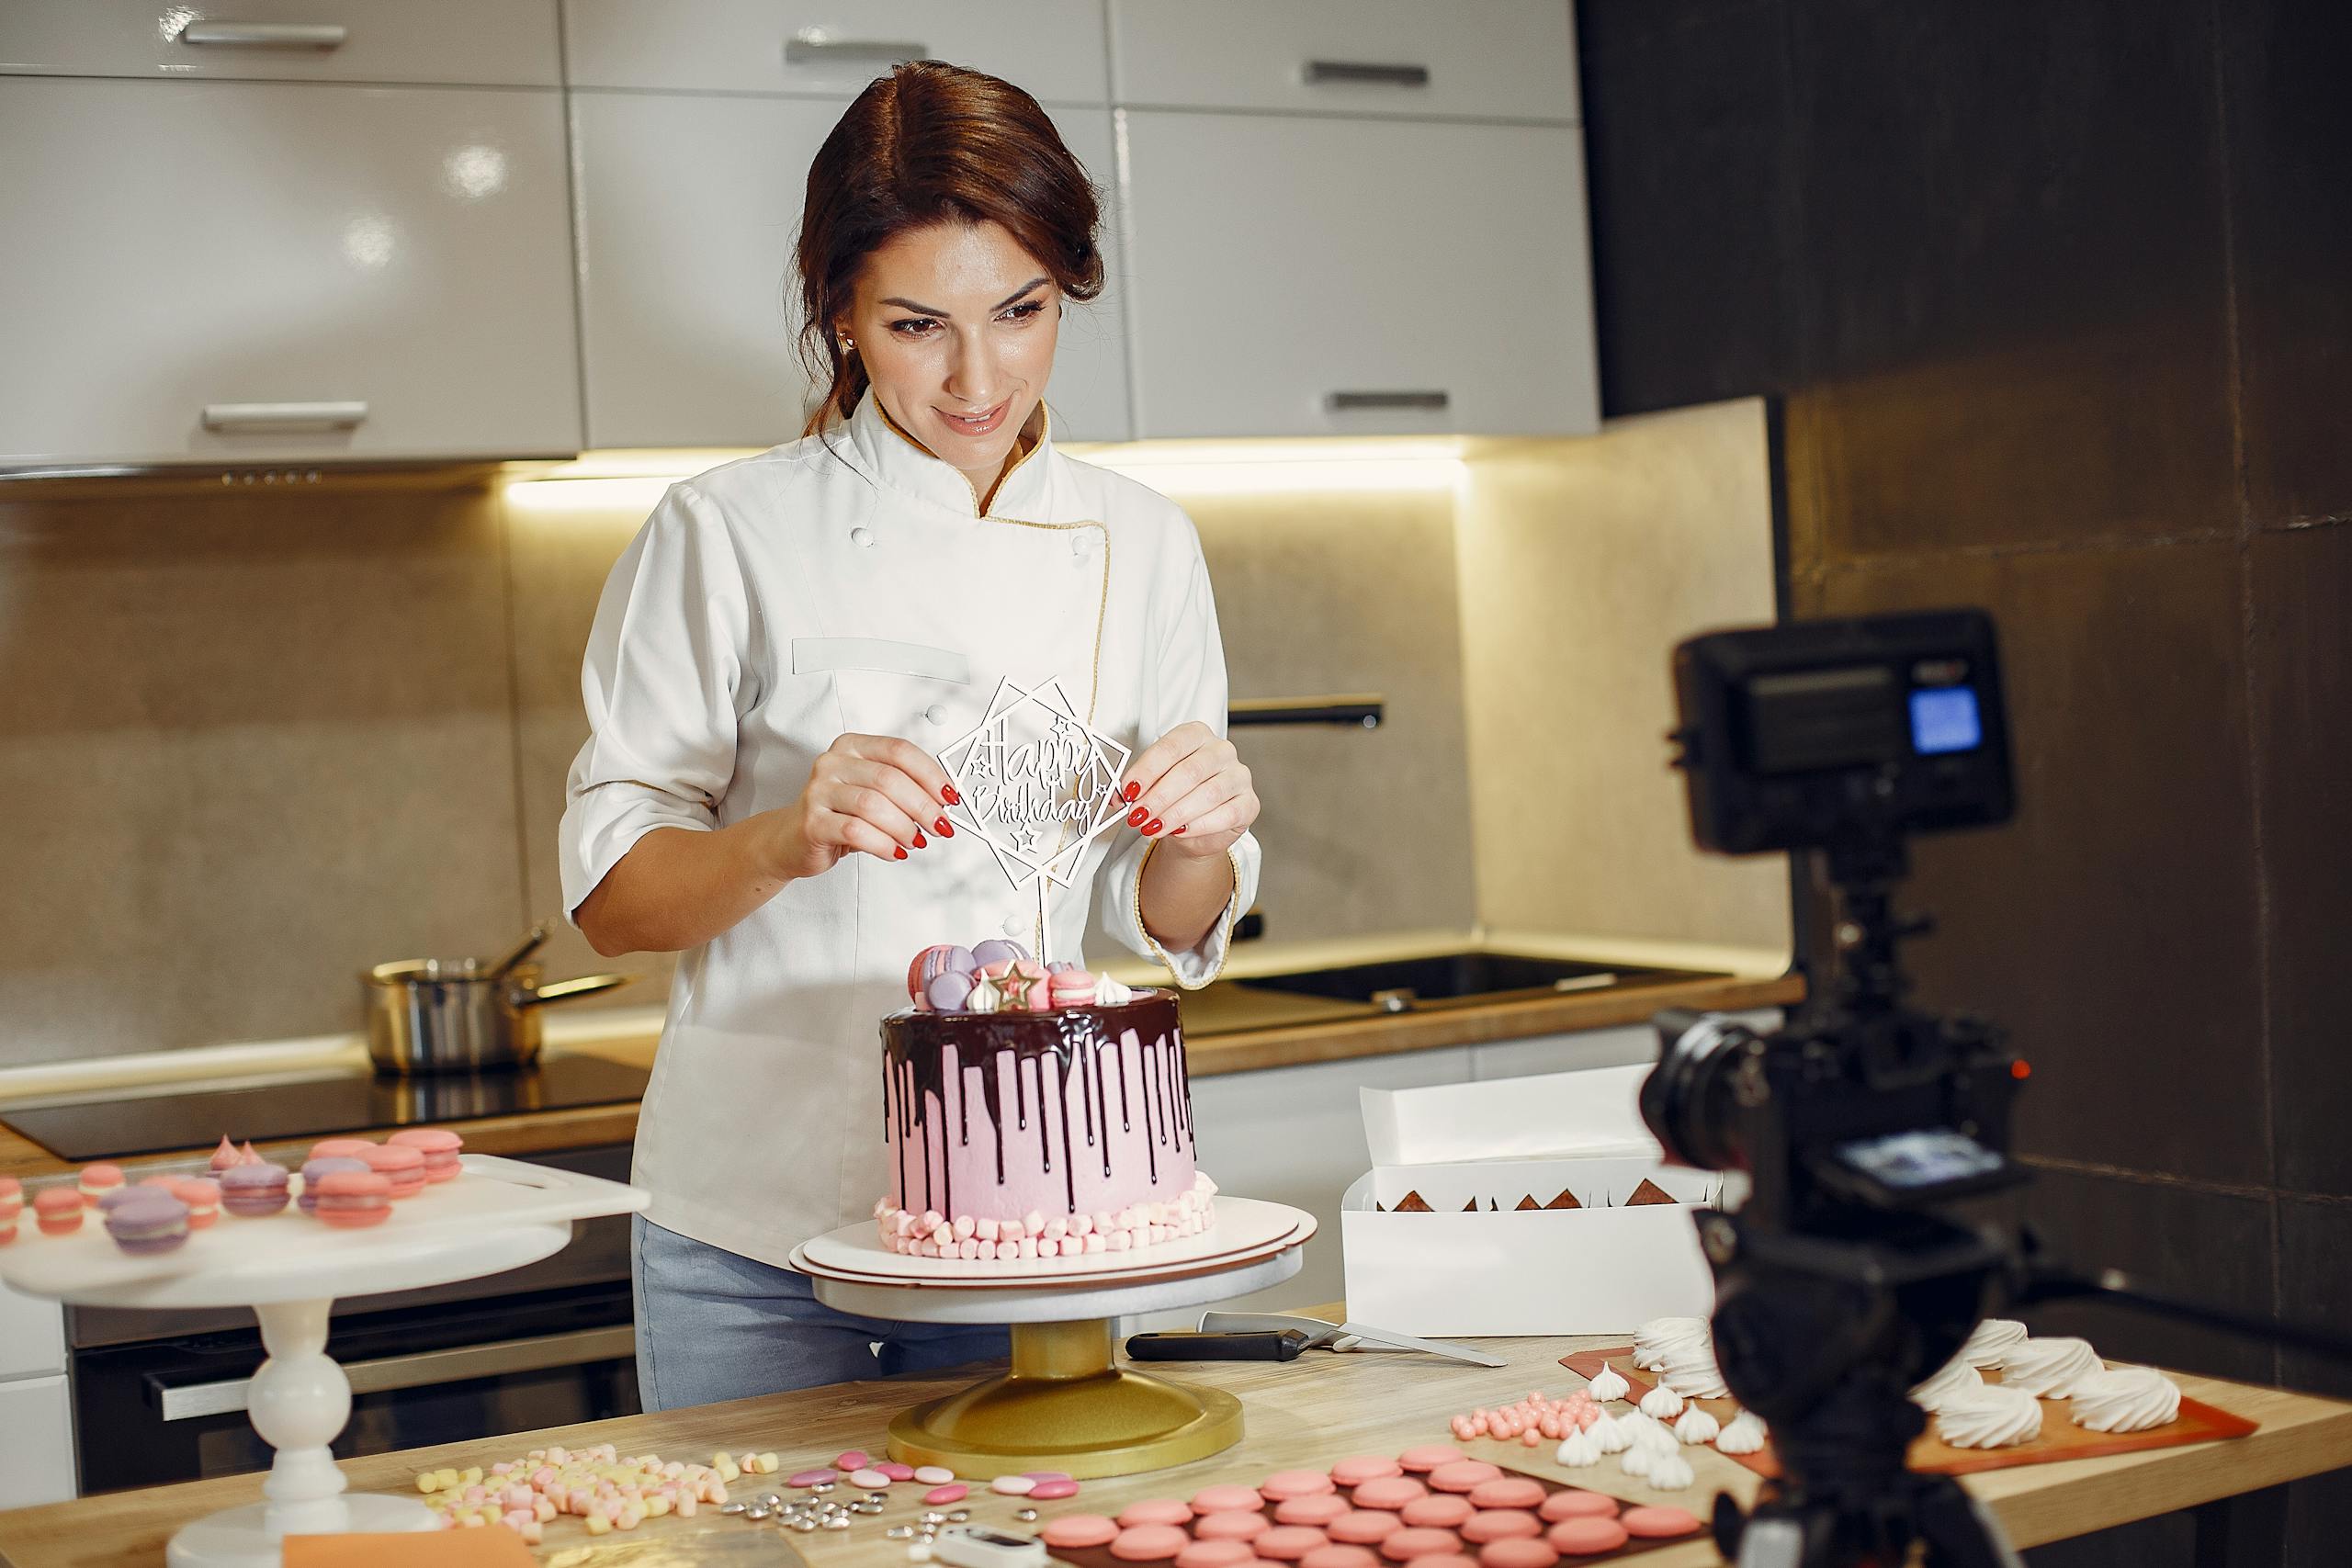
(253, 741)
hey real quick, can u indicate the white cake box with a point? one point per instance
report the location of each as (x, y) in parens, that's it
(1600, 1268)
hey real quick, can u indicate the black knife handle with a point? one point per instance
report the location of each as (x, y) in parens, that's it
(1261, 1346)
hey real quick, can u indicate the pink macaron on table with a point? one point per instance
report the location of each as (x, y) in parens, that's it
(290, 1268)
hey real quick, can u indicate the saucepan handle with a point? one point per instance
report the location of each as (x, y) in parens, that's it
(566, 990)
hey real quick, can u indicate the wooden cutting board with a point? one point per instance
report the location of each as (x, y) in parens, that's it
(2059, 1439)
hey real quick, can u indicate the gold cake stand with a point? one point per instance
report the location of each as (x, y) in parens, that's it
(1066, 1403)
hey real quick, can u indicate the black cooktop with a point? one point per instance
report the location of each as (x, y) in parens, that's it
(113, 1129)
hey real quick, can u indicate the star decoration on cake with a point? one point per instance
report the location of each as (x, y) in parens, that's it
(1038, 782)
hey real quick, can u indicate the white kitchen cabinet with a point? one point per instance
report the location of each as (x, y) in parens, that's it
(1299, 276)
(1472, 59)
(247, 272)
(505, 42)
(36, 1442)
(1620, 1047)
(32, 1333)
(688, 209)
(1053, 48)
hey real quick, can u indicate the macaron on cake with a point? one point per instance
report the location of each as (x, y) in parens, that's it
(351, 1200)
(202, 1196)
(58, 1210)
(253, 1192)
(321, 1167)
(148, 1221)
(99, 1180)
(400, 1165)
(440, 1146)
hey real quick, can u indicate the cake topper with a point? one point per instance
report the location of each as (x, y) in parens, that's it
(1038, 784)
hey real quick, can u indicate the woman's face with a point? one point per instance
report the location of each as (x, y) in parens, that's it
(956, 325)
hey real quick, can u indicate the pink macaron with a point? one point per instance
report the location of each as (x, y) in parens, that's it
(440, 1147)
(341, 1149)
(400, 1165)
(352, 1199)
(203, 1197)
(97, 1180)
(1071, 988)
(58, 1210)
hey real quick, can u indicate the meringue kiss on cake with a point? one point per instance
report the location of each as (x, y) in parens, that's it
(1034, 1112)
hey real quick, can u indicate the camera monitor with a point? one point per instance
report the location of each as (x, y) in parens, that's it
(1828, 732)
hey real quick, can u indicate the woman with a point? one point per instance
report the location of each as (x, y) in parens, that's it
(779, 655)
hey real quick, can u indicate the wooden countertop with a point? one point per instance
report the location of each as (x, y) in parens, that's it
(1239, 1052)
(1305, 1413)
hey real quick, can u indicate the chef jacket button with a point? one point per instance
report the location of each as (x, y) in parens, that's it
(1015, 925)
(862, 537)
(936, 713)
(1082, 545)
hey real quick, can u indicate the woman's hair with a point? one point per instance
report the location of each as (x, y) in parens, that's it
(933, 143)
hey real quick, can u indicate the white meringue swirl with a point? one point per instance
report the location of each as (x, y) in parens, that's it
(2125, 1399)
(1955, 1379)
(1745, 1435)
(1993, 1417)
(1661, 1404)
(1608, 1435)
(1608, 1386)
(1671, 1473)
(1697, 1427)
(1990, 1344)
(2048, 1369)
(1578, 1450)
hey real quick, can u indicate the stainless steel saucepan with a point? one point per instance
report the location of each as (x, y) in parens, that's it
(461, 1015)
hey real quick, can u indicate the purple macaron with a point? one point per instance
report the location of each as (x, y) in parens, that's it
(996, 950)
(316, 1168)
(149, 1219)
(254, 1190)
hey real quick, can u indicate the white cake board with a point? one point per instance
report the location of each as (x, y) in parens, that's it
(290, 1268)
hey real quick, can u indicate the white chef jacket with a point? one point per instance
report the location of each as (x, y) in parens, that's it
(847, 583)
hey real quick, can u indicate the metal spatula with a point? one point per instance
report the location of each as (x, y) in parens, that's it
(1339, 1335)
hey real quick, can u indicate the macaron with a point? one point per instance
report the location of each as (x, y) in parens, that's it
(1070, 987)
(251, 1191)
(400, 1165)
(1587, 1535)
(1657, 1523)
(440, 1147)
(939, 958)
(224, 1156)
(58, 1210)
(351, 1200)
(99, 1180)
(318, 1169)
(148, 1221)
(996, 950)
(948, 992)
(341, 1149)
(1315, 1511)
(203, 1197)
(12, 1197)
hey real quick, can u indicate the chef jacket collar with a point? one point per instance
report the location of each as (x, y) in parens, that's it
(890, 457)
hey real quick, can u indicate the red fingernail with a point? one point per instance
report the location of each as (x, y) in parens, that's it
(944, 827)
(1177, 834)
(1151, 826)
(950, 796)
(897, 852)
(920, 839)
(1138, 817)
(1132, 791)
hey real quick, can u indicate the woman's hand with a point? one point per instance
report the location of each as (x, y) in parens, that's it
(867, 795)
(1191, 791)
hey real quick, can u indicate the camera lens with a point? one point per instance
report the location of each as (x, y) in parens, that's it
(1687, 1101)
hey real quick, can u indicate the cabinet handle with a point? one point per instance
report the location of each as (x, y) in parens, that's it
(266, 35)
(815, 48)
(283, 416)
(580, 1347)
(1343, 403)
(1327, 72)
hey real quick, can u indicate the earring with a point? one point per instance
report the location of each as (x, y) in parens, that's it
(848, 347)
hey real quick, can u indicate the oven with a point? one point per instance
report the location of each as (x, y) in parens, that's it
(161, 1397)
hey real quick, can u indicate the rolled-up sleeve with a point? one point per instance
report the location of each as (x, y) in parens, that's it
(1186, 683)
(665, 664)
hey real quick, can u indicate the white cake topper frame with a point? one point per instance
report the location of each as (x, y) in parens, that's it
(1013, 794)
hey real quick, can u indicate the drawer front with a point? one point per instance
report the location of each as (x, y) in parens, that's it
(36, 1442)
(361, 273)
(688, 210)
(1476, 58)
(32, 1335)
(1309, 277)
(1052, 48)
(508, 42)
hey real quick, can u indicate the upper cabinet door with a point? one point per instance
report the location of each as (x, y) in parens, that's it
(238, 272)
(507, 43)
(1052, 48)
(1473, 59)
(1297, 275)
(688, 210)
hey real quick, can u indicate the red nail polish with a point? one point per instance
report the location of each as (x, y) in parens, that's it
(920, 839)
(1177, 834)
(950, 796)
(944, 827)
(1133, 790)
(1151, 826)
(1138, 818)
(897, 852)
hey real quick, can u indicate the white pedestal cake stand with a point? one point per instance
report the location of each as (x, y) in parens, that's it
(290, 1268)
(1065, 1404)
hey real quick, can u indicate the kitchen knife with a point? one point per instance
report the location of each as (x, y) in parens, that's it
(1339, 1336)
(1269, 1345)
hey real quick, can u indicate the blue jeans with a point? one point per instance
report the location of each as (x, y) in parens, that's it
(713, 1325)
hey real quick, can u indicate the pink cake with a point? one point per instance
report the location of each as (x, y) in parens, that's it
(1036, 1130)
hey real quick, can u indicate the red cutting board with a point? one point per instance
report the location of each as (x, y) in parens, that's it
(2059, 1439)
